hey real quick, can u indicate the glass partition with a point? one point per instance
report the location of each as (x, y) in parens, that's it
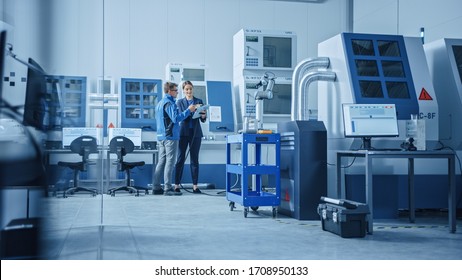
(54, 60)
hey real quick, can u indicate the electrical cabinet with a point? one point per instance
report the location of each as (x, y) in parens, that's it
(139, 100)
(67, 98)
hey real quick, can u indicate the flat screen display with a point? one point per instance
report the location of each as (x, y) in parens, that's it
(281, 102)
(35, 105)
(2, 59)
(134, 134)
(193, 74)
(370, 120)
(277, 52)
(72, 133)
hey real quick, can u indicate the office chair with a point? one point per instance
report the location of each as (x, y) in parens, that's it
(121, 146)
(84, 146)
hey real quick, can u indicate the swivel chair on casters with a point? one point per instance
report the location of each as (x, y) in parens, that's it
(84, 146)
(121, 146)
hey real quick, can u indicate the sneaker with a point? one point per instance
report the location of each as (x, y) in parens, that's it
(196, 190)
(177, 191)
(169, 192)
(158, 192)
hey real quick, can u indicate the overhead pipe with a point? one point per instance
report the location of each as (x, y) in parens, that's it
(307, 79)
(302, 67)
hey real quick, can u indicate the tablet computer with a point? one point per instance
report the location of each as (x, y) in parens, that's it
(198, 111)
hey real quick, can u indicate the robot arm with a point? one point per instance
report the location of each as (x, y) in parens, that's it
(267, 93)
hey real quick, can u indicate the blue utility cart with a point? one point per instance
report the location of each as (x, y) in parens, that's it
(256, 169)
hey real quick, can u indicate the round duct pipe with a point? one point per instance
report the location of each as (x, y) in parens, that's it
(302, 67)
(307, 79)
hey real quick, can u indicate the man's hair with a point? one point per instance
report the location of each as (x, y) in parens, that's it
(169, 85)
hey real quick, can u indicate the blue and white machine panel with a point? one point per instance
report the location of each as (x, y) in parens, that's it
(377, 69)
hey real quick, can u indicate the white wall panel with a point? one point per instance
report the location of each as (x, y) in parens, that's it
(439, 18)
(256, 14)
(148, 39)
(218, 42)
(365, 8)
(324, 22)
(378, 17)
(117, 35)
(185, 27)
(89, 41)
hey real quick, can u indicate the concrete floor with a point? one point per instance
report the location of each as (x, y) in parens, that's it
(199, 227)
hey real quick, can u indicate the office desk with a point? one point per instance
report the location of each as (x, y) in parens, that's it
(104, 154)
(373, 154)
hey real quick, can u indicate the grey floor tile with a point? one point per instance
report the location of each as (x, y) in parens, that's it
(203, 227)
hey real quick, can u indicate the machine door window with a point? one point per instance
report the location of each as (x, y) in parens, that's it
(380, 71)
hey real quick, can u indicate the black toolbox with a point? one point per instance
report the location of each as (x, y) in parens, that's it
(343, 217)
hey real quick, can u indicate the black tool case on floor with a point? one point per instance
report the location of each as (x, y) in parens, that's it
(343, 217)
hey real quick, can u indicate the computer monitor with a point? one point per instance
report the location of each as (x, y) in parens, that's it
(2, 61)
(35, 105)
(134, 134)
(281, 102)
(277, 52)
(72, 133)
(370, 120)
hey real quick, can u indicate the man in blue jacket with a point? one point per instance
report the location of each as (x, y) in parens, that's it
(168, 118)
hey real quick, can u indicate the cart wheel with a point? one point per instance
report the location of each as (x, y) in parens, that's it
(275, 212)
(246, 211)
(231, 206)
(254, 208)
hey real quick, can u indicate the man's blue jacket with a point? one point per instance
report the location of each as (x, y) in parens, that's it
(168, 118)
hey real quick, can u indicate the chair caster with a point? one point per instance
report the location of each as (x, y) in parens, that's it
(275, 212)
(246, 211)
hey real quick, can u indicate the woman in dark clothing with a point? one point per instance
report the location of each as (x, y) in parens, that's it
(190, 135)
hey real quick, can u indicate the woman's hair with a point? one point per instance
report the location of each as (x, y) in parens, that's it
(185, 83)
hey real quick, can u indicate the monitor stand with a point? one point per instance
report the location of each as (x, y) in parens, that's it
(367, 143)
